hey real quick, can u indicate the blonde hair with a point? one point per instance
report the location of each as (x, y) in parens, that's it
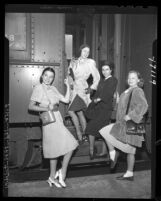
(141, 80)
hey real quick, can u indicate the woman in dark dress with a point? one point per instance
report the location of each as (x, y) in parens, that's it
(99, 111)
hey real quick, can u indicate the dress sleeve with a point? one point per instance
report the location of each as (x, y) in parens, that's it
(95, 74)
(138, 106)
(37, 94)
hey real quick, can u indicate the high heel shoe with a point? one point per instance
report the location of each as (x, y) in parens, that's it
(51, 182)
(85, 138)
(61, 181)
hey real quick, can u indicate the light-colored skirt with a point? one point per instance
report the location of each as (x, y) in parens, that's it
(57, 140)
(105, 133)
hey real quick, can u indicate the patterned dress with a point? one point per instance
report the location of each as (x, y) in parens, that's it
(56, 140)
(81, 72)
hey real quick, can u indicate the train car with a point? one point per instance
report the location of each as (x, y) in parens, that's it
(42, 37)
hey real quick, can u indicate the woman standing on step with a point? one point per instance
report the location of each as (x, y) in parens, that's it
(100, 109)
(79, 71)
(57, 140)
(115, 134)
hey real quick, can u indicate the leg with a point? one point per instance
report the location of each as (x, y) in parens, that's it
(82, 120)
(104, 133)
(51, 180)
(53, 164)
(113, 155)
(130, 162)
(62, 172)
(110, 146)
(130, 167)
(65, 163)
(104, 149)
(91, 146)
(76, 124)
(83, 124)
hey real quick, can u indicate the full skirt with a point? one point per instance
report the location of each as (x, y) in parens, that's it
(57, 139)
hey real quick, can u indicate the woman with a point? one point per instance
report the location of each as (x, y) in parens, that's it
(100, 109)
(57, 140)
(79, 71)
(115, 134)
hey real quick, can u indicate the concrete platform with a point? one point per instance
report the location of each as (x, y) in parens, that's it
(98, 186)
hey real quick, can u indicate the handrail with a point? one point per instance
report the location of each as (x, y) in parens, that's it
(24, 124)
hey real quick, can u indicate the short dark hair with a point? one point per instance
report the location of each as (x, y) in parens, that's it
(110, 64)
(47, 69)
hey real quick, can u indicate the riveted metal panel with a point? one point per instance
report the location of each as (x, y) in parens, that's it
(47, 36)
(22, 80)
(17, 30)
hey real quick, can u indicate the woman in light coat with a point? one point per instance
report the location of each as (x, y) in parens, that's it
(79, 71)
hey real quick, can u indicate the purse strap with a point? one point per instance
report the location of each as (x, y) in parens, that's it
(127, 109)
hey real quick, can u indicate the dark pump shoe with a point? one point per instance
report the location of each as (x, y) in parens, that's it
(125, 178)
(113, 163)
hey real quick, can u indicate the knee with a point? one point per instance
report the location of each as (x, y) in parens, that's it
(80, 113)
(71, 113)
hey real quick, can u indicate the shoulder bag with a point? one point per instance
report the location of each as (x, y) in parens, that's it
(133, 128)
(47, 117)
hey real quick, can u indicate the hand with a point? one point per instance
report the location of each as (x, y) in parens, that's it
(126, 118)
(66, 81)
(88, 90)
(96, 100)
(70, 80)
(51, 106)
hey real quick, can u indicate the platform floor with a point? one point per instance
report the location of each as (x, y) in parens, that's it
(96, 186)
(85, 178)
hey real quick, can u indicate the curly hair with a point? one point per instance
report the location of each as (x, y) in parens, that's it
(141, 80)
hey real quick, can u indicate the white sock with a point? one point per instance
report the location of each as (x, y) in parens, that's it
(128, 174)
(112, 154)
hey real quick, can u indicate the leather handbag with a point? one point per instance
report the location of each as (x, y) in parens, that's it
(133, 128)
(47, 117)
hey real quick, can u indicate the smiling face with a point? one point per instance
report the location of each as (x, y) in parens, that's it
(85, 52)
(133, 79)
(48, 77)
(106, 71)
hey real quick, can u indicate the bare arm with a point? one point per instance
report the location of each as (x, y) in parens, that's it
(34, 107)
(95, 74)
(66, 98)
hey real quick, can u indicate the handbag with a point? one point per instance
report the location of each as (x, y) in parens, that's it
(47, 117)
(133, 128)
